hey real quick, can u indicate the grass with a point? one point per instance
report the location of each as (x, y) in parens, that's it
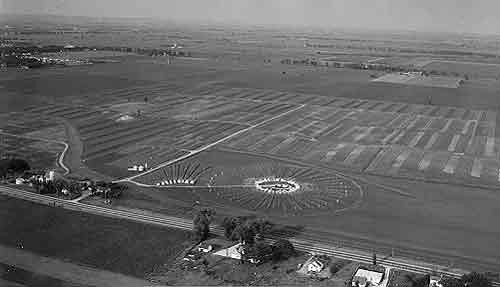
(221, 271)
(400, 278)
(39, 154)
(116, 245)
(27, 278)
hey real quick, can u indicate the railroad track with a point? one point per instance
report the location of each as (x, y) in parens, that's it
(301, 244)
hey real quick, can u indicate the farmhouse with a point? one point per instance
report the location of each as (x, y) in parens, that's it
(139, 168)
(364, 277)
(205, 248)
(315, 265)
(234, 252)
(435, 281)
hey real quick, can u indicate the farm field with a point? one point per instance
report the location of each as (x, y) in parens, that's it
(234, 181)
(414, 217)
(472, 69)
(332, 138)
(120, 246)
(32, 138)
(417, 80)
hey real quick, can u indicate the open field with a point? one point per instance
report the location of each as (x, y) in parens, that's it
(33, 139)
(472, 69)
(368, 135)
(116, 245)
(232, 181)
(355, 126)
(417, 80)
(429, 173)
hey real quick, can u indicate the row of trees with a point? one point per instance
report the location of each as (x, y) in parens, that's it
(374, 67)
(201, 223)
(246, 229)
(250, 232)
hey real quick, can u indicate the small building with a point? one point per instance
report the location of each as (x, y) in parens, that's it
(364, 277)
(435, 281)
(139, 168)
(205, 248)
(235, 252)
(315, 266)
(20, 181)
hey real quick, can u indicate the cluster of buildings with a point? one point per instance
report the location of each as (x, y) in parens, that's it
(30, 178)
(139, 168)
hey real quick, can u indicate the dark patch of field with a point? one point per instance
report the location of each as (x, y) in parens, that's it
(111, 244)
(40, 155)
(400, 278)
(23, 277)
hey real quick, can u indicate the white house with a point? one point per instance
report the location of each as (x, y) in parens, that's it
(315, 266)
(139, 168)
(364, 277)
(235, 252)
(435, 281)
(205, 248)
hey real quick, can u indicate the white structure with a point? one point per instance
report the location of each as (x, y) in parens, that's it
(276, 185)
(435, 281)
(205, 248)
(315, 266)
(51, 175)
(235, 252)
(365, 277)
(20, 181)
(139, 168)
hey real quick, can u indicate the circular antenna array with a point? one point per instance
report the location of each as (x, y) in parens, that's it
(276, 185)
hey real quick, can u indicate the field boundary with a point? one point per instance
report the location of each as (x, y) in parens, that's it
(208, 146)
(60, 158)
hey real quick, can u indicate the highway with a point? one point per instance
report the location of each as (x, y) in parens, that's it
(302, 244)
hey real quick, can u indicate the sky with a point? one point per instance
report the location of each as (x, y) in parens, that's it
(478, 16)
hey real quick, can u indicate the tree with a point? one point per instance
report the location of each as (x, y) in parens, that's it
(283, 249)
(229, 224)
(261, 227)
(4, 168)
(475, 279)
(244, 233)
(259, 252)
(421, 281)
(451, 282)
(18, 165)
(201, 224)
